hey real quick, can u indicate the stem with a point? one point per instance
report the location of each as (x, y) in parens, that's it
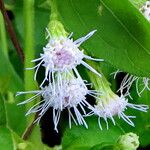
(29, 129)
(29, 50)
(54, 12)
(3, 36)
(11, 32)
(55, 27)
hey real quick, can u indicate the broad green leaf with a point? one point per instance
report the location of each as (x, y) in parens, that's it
(11, 115)
(12, 120)
(16, 118)
(6, 139)
(9, 79)
(9, 140)
(79, 137)
(122, 37)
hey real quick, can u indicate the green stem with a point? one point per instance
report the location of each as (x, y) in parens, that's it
(54, 12)
(30, 84)
(55, 27)
(3, 40)
(100, 83)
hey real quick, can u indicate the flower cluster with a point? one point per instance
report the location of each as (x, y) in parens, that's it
(71, 94)
(65, 89)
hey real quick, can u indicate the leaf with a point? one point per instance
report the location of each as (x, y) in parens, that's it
(11, 115)
(9, 140)
(9, 79)
(103, 146)
(79, 137)
(16, 118)
(6, 139)
(142, 121)
(12, 120)
(35, 139)
(122, 37)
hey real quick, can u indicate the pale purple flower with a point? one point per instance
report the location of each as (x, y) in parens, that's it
(111, 105)
(70, 95)
(62, 55)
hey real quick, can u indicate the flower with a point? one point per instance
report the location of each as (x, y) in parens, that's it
(70, 95)
(111, 105)
(145, 9)
(61, 55)
(142, 83)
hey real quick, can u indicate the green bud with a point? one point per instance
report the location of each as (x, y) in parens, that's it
(129, 141)
(56, 29)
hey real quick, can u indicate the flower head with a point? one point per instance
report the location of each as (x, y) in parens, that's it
(62, 54)
(71, 97)
(109, 104)
(113, 105)
(145, 9)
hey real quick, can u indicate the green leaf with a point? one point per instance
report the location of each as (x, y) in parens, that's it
(103, 146)
(122, 37)
(9, 140)
(35, 139)
(8, 77)
(79, 137)
(12, 115)
(16, 118)
(143, 120)
(6, 139)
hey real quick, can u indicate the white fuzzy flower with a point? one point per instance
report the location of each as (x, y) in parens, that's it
(113, 105)
(145, 9)
(62, 54)
(142, 83)
(71, 94)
